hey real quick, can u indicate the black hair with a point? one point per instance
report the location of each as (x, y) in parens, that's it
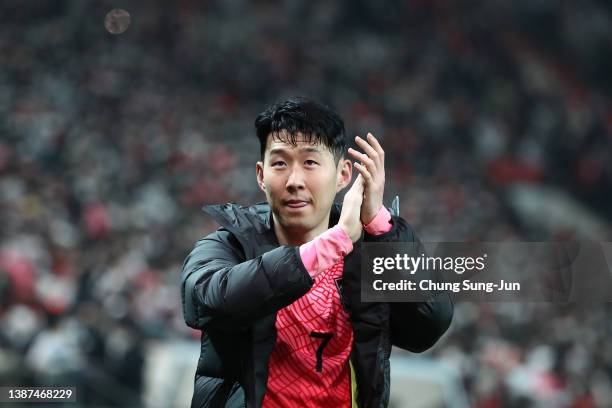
(317, 122)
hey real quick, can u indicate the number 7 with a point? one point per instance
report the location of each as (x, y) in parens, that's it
(326, 338)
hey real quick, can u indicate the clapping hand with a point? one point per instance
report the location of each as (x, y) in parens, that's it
(371, 166)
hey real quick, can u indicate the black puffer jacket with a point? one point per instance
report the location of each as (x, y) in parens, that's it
(237, 278)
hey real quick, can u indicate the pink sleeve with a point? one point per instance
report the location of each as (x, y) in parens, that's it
(325, 250)
(380, 224)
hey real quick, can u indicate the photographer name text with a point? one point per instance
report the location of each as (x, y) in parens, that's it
(432, 286)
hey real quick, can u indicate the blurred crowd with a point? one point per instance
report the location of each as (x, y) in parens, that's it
(110, 144)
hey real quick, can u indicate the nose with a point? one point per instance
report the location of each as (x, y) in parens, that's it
(295, 181)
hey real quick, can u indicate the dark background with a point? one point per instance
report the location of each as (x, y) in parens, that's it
(495, 117)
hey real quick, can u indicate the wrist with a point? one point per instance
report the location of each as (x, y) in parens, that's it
(344, 228)
(342, 238)
(346, 231)
(380, 224)
(370, 215)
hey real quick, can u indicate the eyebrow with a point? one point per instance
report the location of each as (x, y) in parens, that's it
(281, 150)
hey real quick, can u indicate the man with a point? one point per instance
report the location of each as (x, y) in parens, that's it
(276, 289)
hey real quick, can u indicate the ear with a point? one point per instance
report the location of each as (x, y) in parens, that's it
(260, 176)
(345, 174)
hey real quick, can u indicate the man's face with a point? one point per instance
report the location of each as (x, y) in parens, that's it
(300, 182)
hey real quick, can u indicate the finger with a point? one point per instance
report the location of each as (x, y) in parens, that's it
(369, 150)
(363, 158)
(374, 142)
(358, 185)
(359, 189)
(358, 181)
(363, 171)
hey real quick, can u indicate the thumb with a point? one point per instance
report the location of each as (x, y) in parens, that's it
(358, 184)
(356, 190)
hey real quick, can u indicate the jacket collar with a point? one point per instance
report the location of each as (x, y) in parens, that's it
(241, 218)
(255, 218)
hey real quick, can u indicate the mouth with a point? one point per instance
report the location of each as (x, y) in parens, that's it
(296, 204)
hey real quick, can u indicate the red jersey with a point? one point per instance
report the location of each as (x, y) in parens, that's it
(309, 365)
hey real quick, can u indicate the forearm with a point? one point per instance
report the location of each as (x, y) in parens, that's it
(218, 285)
(325, 250)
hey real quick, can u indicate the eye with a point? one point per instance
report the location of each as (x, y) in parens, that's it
(311, 162)
(278, 163)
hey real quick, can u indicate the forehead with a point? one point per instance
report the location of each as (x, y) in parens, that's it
(283, 142)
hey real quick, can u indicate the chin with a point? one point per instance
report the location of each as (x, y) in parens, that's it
(296, 224)
(300, 223)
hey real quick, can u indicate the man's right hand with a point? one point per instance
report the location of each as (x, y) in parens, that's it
(350, 220)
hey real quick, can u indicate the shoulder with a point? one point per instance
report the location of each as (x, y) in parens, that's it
(216, 243)
(240, 218)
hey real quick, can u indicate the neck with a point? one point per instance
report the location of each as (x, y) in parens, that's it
(297, 236)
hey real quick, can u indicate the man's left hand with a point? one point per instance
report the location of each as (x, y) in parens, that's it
(371, 165)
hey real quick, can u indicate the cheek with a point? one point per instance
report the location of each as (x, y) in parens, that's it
(274, 186)
(325, 187)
